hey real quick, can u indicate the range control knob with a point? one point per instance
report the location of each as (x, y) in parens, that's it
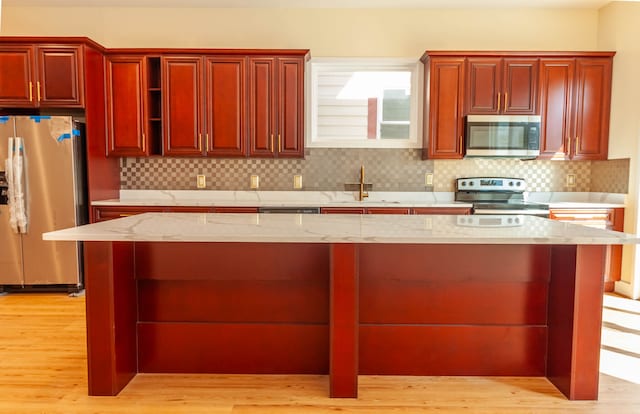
(463, 183)
(518, 184)
(510, 183)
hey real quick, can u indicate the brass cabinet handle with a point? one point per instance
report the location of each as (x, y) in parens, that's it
(279, 144)
(272, 148)
(39, 96)
(30, 91)
(498, 101)
(199, 141)
(126, 214)
(206, 142)
(568, 146)
(577, 144)
(460, 141)
(505, 101)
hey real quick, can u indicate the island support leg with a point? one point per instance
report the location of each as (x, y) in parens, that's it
(343, 321)
(111, 316)
(575, 319)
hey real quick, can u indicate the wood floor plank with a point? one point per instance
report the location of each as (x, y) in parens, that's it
(43, 370)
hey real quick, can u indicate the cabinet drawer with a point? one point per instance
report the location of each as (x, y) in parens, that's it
(110, 213)
(600, 218)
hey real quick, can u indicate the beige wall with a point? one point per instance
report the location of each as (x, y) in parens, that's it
(619, 30)
(327, 32)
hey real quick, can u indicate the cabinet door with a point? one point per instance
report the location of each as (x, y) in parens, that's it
(182, 105)
(519, 86)
(262, 106)
(556, 100)
(592, 105)
(16, 76)
(290, 107)
(445, 109)
(388, 210)
(483, 86)
(126, 106)
(60, 76)
(225, 106)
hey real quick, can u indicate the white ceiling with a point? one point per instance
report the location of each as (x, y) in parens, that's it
(588, 4)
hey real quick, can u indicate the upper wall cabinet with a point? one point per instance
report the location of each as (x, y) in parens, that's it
(444, 116)
(225, 108)
(276, 106)
(575, 101)
(127, 105)
(182, 105)
(232, 104)
(502, 86)
(43, 75)
(570, 91)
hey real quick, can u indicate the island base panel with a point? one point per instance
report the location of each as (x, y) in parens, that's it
(233, 348)
(452, 350)
(111, 316)
(434, 336)
(575, 318)
(343, 367)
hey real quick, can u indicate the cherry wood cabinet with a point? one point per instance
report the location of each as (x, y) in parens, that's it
(103, 213)
(126, 77)
(42, 75)
(592, 109)
(225, 83)
(575, 95)
(444, 108)
(502, 86)
(395, 210)
(604, 218)
(182, 105)
(276, 106)
(570, 91)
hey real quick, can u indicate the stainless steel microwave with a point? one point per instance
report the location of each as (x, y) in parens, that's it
(516, 136)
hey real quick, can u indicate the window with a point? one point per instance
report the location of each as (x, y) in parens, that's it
(364, 103)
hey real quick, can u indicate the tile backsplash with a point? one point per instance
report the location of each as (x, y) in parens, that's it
(329, 169)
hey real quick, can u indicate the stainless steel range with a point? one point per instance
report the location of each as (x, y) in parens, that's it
(498, 196)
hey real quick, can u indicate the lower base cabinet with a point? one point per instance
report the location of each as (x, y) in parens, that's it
(603, 218)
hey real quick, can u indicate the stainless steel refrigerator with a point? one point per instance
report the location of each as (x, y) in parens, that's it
(53, 185)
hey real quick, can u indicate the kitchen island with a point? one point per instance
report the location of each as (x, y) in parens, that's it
(343, 295)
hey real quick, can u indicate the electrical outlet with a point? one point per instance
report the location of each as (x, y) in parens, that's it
(201, 181)
(297, 182)
(571, 180)
(428, 179)
(255, 182)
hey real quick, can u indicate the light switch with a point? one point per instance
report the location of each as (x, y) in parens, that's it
(255, 182)
(297, 182)
(201, 181)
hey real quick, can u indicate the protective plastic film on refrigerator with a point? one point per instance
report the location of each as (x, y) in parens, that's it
(42, 188)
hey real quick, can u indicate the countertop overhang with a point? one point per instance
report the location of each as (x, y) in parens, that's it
(337, 228)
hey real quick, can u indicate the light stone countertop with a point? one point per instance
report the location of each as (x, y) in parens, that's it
(208, 198)
(340, 228)
(205, 198)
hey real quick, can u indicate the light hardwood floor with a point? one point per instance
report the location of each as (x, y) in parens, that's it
(43, 370)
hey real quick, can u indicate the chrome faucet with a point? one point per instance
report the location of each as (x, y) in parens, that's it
(362, 194)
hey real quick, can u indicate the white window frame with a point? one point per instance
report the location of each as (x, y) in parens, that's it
(358, 64)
